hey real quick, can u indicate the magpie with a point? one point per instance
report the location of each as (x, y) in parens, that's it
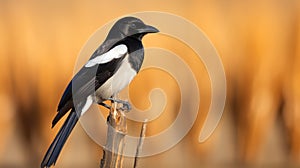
(110, 68)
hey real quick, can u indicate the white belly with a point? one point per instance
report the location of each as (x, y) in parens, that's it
(117, 82)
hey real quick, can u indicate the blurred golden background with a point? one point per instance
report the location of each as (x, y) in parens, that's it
(258, 41)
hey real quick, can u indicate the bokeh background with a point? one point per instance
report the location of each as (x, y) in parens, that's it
(259, 44)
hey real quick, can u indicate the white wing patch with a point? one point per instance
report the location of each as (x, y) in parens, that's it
(114, 53)
(88, 103)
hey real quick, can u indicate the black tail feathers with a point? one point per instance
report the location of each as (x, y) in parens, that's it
(59, 141)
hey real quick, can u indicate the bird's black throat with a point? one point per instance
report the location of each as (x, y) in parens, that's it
(136, 52)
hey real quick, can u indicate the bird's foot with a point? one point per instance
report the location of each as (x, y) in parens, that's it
(126, 106)
(105, 105)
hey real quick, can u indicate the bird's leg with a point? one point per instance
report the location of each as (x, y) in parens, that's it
(125, 104)
(104, 105)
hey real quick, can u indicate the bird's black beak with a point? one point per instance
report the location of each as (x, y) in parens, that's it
(148, 29)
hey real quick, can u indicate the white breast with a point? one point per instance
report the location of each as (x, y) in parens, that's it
(118, 81)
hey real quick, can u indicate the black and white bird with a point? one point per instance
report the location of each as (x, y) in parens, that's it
(111, 68)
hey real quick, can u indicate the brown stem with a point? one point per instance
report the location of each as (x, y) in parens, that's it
(117, 129)
(139, 147)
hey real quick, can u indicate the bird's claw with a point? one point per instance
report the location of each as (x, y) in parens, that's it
(126, 106)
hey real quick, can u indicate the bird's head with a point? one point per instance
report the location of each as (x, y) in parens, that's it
(131, 27)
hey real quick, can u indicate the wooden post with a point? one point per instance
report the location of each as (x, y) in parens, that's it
(117, 129)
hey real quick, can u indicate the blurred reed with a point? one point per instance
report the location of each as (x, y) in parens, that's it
(259, 42)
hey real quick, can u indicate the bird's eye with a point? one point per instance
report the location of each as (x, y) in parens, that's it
(133, 25)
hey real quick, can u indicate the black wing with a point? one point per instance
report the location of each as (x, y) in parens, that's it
(84, 83)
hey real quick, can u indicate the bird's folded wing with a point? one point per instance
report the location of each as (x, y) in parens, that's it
(89, 79)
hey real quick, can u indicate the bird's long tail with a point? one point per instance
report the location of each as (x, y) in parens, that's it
(59, 141)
